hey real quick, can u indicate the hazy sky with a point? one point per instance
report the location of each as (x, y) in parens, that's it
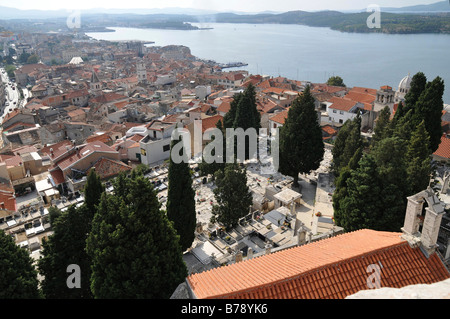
(217, 5)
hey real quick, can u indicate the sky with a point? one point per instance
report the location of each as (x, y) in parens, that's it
(215, 5)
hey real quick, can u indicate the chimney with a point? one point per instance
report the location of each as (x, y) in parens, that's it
(250, 253)
(239, 256)
(268, 249)
(301, 236)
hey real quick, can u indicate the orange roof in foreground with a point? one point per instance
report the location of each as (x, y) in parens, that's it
(331, 268)
(444, 148)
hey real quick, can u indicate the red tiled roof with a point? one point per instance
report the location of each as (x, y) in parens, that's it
(105, 138)
(328, 129)
(267, 106)
(358, 89)
(76, 113)
(108, 97)
(332, 268)
(136, 138)
(280, 117)
(360, 97)
(322, 87)
(8, 201)
(18, 124)
(11, 115)
(444, 148)
(10, 160)
(106, 167)
(77, 93)
(224, 107)
(210, 122)
(342, 104)
(58, 149)
(57, 176)
(84, 151)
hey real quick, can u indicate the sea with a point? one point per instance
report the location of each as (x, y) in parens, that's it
(307, 53)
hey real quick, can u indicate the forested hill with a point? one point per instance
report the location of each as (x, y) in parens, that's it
(347, 22)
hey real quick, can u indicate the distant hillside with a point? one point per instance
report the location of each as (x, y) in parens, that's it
(409, 23)
(347, 22)
(442, 6)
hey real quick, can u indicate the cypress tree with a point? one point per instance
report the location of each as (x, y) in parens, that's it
(358, 205)
(18, 277)
(418, 84)
(228, 119)
(418, 160)
(211, 168)
(301, 144)
(66, 247)
(134, 247)
(181, 202)
(347, 142)
(389, 157)
(382, 128)
(232, 194)
(429, 108)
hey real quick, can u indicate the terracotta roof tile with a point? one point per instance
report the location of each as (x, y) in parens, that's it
(57, 176)
(330, 268)
(342, 104)
(107, 168)
(280, 117)
(210, 122)
(444, 148)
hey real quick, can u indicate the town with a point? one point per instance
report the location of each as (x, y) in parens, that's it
(70, 105)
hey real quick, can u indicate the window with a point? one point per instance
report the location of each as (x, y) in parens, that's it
(166, 148)
(341, 112)
(334, 111)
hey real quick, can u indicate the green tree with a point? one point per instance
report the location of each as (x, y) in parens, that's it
(247, 116)
(219, 163)
(228, 119)
(357, 200)
(382, 127)
(10, 70)
(347, 142)
(66, 247)
(33, 59)
(374, 194)
(232, 194)
(18, 277)
(301, 145)
(336, 81)
(92, 192)
(181, 202)
(24, 57)
(389, 156)
(134, 247)
(418, 160)
(418, 84)
(399, 114)
(429, 108)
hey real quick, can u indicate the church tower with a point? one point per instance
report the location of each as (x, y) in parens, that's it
(385, 97)
(141, 70)
(95, 84)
